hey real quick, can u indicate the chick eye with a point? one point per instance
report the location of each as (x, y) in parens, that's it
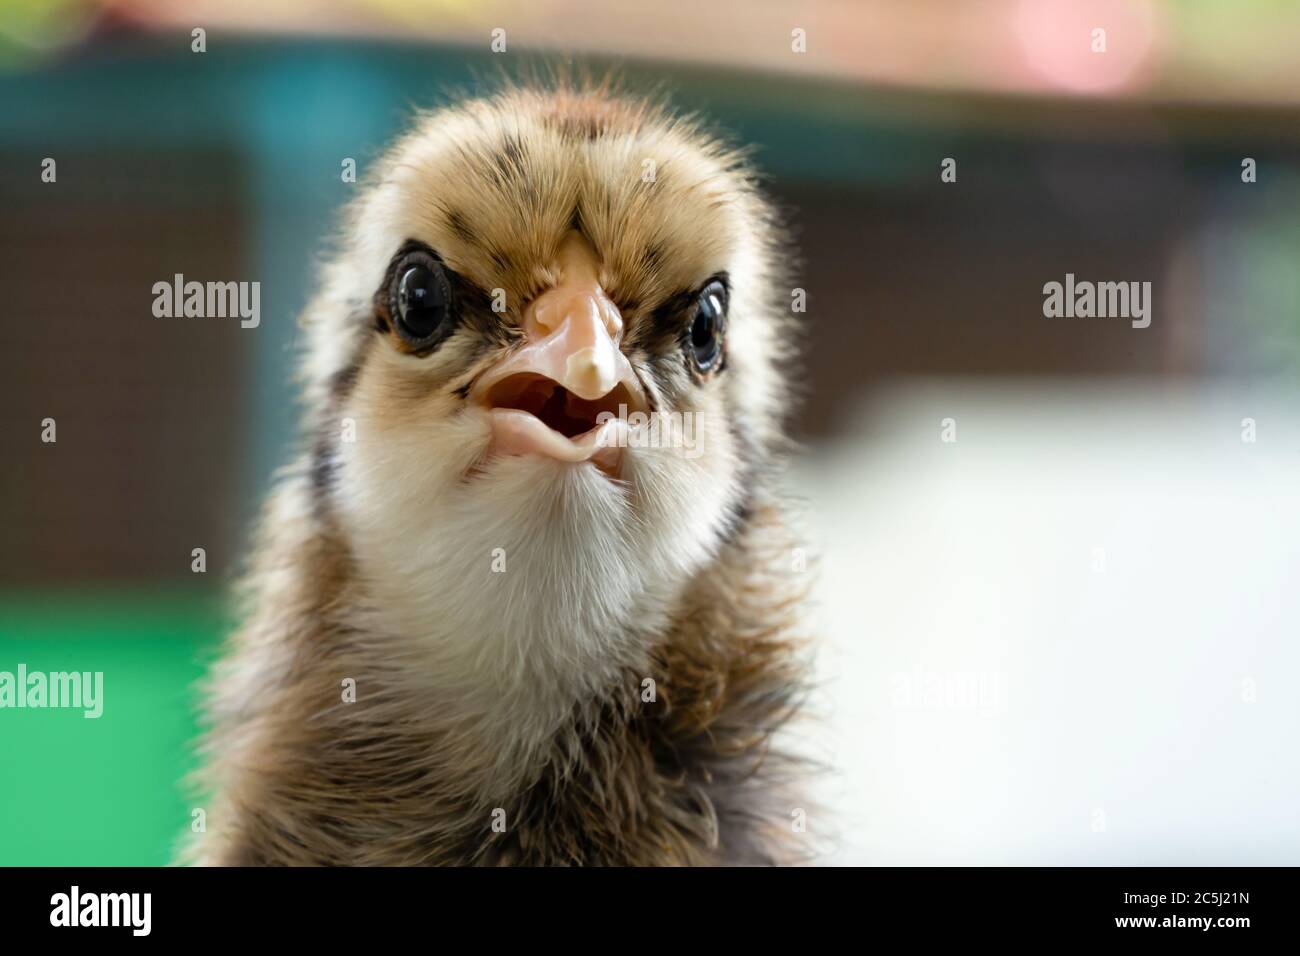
(421, 299)
(706, 327)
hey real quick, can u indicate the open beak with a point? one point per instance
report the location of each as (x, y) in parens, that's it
(549, 396)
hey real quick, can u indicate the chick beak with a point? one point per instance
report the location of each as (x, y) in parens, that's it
(566, 391)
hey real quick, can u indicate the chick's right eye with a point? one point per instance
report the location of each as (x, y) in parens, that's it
(423, 300)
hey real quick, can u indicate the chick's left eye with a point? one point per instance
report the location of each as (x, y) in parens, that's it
(423, 300)
(706, 327)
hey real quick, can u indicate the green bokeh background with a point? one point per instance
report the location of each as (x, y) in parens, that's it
(103, 791)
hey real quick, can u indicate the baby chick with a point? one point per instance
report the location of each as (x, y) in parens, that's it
(528, 596)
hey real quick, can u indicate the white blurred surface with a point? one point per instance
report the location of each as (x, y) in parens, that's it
(1136, 704)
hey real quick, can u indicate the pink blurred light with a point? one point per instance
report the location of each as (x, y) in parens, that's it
(1056, 40)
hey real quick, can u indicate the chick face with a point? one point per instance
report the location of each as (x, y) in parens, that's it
(553, 325)
(566, 391)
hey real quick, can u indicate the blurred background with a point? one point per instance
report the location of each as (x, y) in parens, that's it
(1057, 573)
